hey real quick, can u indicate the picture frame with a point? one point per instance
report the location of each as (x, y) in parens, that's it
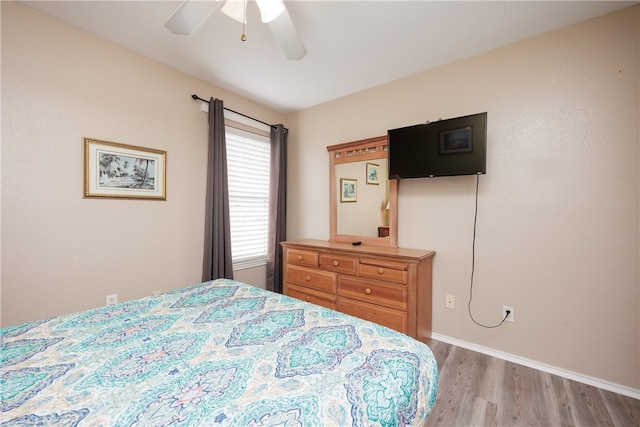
(373, 173)
(121, 171)
(348, 190)
(456, 141)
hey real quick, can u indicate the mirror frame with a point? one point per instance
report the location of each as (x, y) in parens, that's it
(356, 151)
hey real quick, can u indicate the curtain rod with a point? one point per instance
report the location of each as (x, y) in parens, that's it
(196, 97)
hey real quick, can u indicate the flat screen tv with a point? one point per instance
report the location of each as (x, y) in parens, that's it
(448, 147)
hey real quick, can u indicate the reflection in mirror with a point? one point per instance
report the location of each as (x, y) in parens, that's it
(366, 214)
(363, 201)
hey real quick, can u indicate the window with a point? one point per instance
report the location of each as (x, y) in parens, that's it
(248, 159)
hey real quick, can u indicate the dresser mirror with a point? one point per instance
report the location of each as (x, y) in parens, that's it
(363, 201)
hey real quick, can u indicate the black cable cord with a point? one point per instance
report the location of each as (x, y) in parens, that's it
(473, 262)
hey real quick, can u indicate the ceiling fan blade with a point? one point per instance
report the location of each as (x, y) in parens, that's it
(287, 37)
(190, 15)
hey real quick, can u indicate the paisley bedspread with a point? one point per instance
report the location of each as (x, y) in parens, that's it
(221, 353)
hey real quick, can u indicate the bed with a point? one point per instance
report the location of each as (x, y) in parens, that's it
(220, 353)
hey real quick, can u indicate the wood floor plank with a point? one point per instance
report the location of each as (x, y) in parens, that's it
(451, 388)
(587, 406)
(624, 410)
(556, 400)
(532, 403)
(441, 351)
(483, 385)
(480, 411)
(509, 411)
(480, 390)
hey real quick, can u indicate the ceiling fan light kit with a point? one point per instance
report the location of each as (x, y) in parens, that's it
(236, 9)
(191, 14)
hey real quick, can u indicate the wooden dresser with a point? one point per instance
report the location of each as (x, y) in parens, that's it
(389, 286)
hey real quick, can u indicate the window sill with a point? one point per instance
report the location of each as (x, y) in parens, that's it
(249, 263)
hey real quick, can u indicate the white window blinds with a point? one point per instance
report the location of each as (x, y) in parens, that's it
(248, 174)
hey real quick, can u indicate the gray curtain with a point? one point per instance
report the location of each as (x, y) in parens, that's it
(217, 262)
(277, 207)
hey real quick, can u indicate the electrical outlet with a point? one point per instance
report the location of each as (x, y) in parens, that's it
(156, 292)
(450, 302)
(112, 299)
(511, 317)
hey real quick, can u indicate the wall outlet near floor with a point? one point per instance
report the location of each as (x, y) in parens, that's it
(156, 292)
(511, 317)
(112, 299)
(450, 301)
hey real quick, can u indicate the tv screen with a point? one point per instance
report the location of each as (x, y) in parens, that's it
(444, 148)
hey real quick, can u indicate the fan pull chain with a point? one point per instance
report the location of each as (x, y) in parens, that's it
(243, 37)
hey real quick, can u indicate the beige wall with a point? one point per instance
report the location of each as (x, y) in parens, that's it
(557, 235)
(62, 253)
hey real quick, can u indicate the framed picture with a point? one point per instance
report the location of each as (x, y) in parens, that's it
(456, 141)
(373, 174)
(120, 171)
(348, 190)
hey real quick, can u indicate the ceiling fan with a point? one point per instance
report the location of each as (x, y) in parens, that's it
(193, 13)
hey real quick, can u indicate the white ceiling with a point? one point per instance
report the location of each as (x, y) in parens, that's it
(351, 45)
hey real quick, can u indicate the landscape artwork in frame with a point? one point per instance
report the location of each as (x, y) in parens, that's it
(121, 171)
(456, 141)
(373, 174)
(348, 190)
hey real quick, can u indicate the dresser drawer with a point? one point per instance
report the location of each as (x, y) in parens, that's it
(388, 295)
(339, 263)
(307, 277)
(300, 257)
(390, 271)
(309, 295)
(390, 318)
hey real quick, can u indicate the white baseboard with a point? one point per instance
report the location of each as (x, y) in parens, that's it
(585, 379)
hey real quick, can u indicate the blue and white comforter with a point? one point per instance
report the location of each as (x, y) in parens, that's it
(220, 353)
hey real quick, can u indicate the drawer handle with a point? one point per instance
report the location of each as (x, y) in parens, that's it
(299, 257)
(307, 278)
(367, 291)
(308, 299)
(380, 270)
(335, 263)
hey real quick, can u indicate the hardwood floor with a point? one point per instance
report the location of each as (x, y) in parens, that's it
(480, 390)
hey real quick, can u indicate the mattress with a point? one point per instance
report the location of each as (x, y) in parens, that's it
(220, 353)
